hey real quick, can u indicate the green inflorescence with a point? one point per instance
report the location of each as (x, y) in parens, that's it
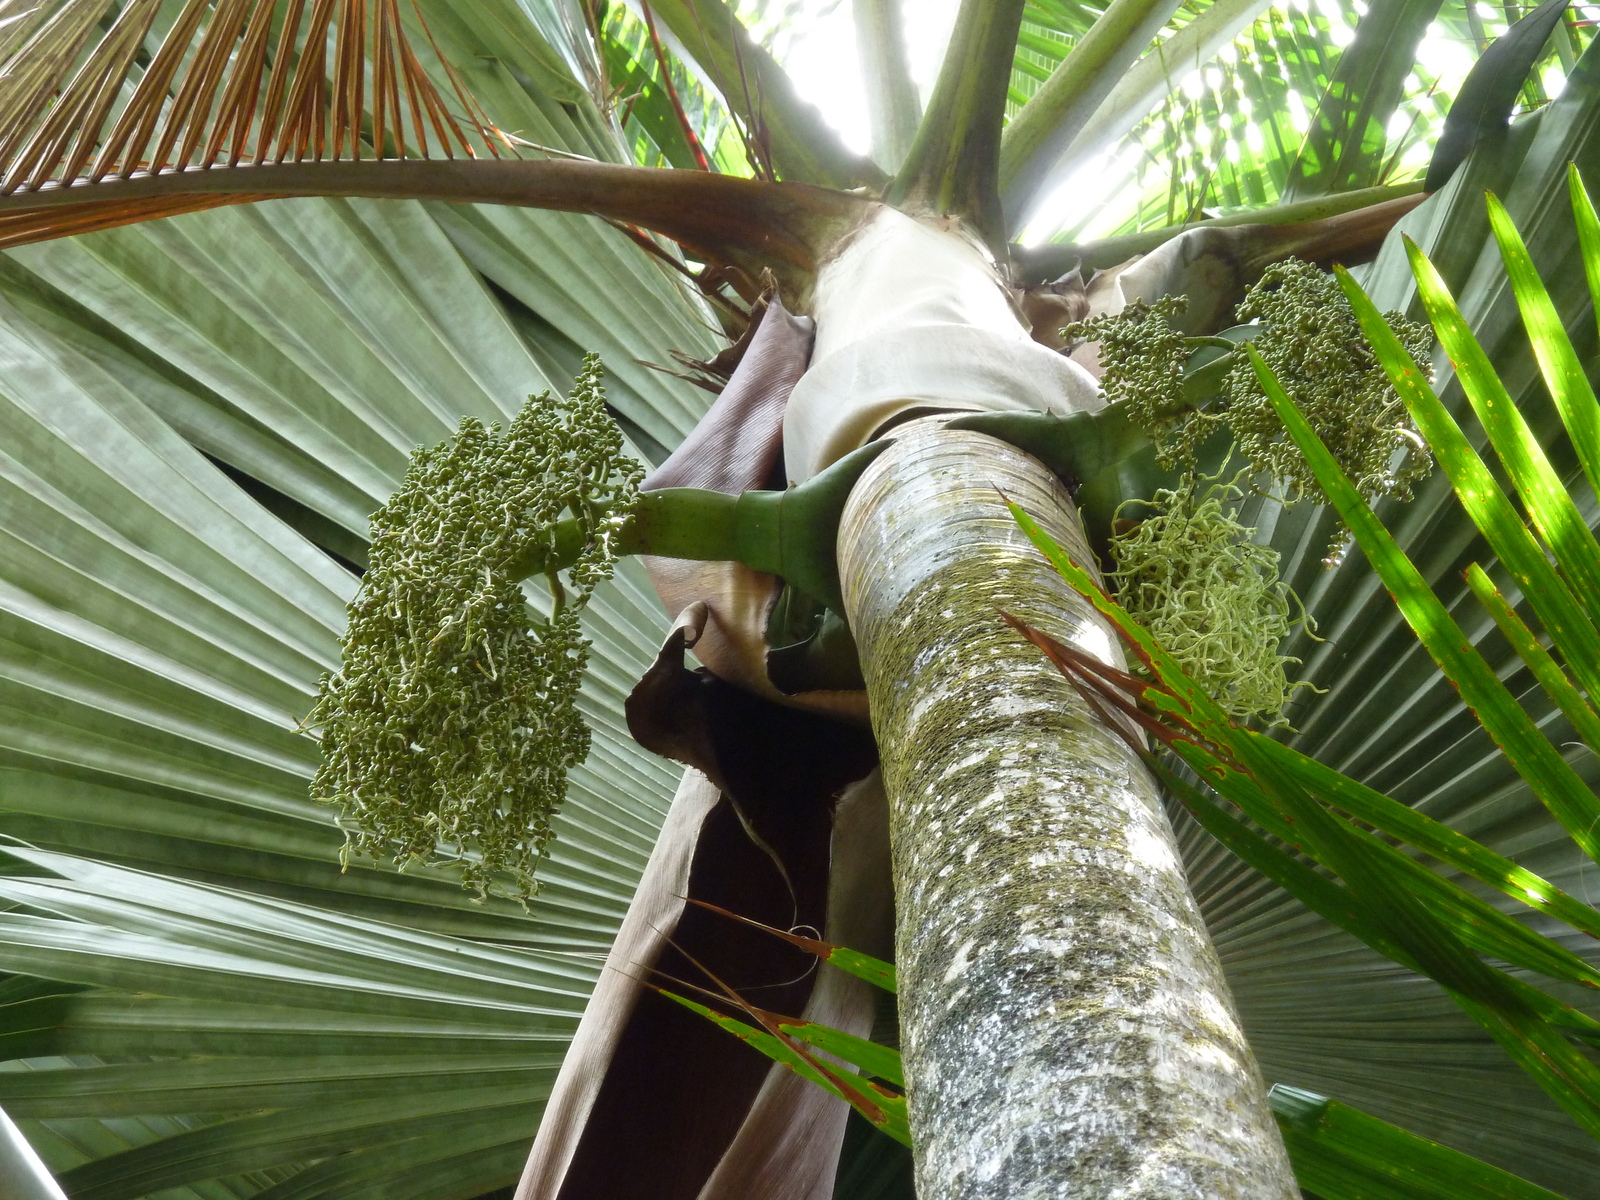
(1143, 357)
(1312, 341)
(1314, 345)
(1190, 574)
(449, 730)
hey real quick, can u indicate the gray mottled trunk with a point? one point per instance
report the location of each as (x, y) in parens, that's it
(1066, 1027)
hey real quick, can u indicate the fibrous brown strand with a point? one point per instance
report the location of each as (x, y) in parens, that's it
(79, 102)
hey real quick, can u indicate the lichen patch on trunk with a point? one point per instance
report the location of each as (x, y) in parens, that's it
(1066, 1027)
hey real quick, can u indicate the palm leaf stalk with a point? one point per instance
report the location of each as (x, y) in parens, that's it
(326, 446)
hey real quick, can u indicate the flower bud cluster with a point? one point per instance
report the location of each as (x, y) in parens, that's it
(449, 730)
(1189, 571)
(1314, 345)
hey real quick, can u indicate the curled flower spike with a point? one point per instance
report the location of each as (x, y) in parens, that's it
(448, 732)
(1190, 574)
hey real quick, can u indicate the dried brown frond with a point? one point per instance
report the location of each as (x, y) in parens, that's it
(118, 111)
(91, 89)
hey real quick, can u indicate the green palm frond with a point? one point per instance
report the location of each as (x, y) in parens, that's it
(162, 662)
(1390, 720)
(1341, 1152)
(162, 659)
(322, 1035)
(1429, 757)
(1307, 100)
(1278, 789)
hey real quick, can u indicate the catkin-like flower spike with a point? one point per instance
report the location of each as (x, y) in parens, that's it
(449, 730)
(1189, 573)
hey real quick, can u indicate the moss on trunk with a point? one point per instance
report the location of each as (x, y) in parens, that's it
(1066, 1027)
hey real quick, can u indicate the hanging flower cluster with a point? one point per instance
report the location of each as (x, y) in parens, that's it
(1189, 571)
(1312, 341)
(1143, 356)
(1190, 574)
(448, 733)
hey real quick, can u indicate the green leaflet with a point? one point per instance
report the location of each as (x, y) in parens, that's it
(1552, 779)
(1405, 926)
(1583, 422)
(1545, 669)
(1549, 502)
(1328, 899)
(875, 971)
(863, 966)
(1570, 1079)
(1474, 922)
(777, 1038)
(1554, 514)
(885, 1110)
(1383, 905)
(871, 1057)
(1435, 838)
(1339, 1152)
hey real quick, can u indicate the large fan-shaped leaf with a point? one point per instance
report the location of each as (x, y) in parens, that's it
(164, 633)
(161, 632)
(413, 1044)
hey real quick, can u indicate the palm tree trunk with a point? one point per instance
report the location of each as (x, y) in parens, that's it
(1066, 1027)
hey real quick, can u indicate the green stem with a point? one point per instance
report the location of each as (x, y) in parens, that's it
(892, 102)
(1143, 87)
(803, 147)
(790, 534)
(954, 164)
(1039, 263)
(1040, 133)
